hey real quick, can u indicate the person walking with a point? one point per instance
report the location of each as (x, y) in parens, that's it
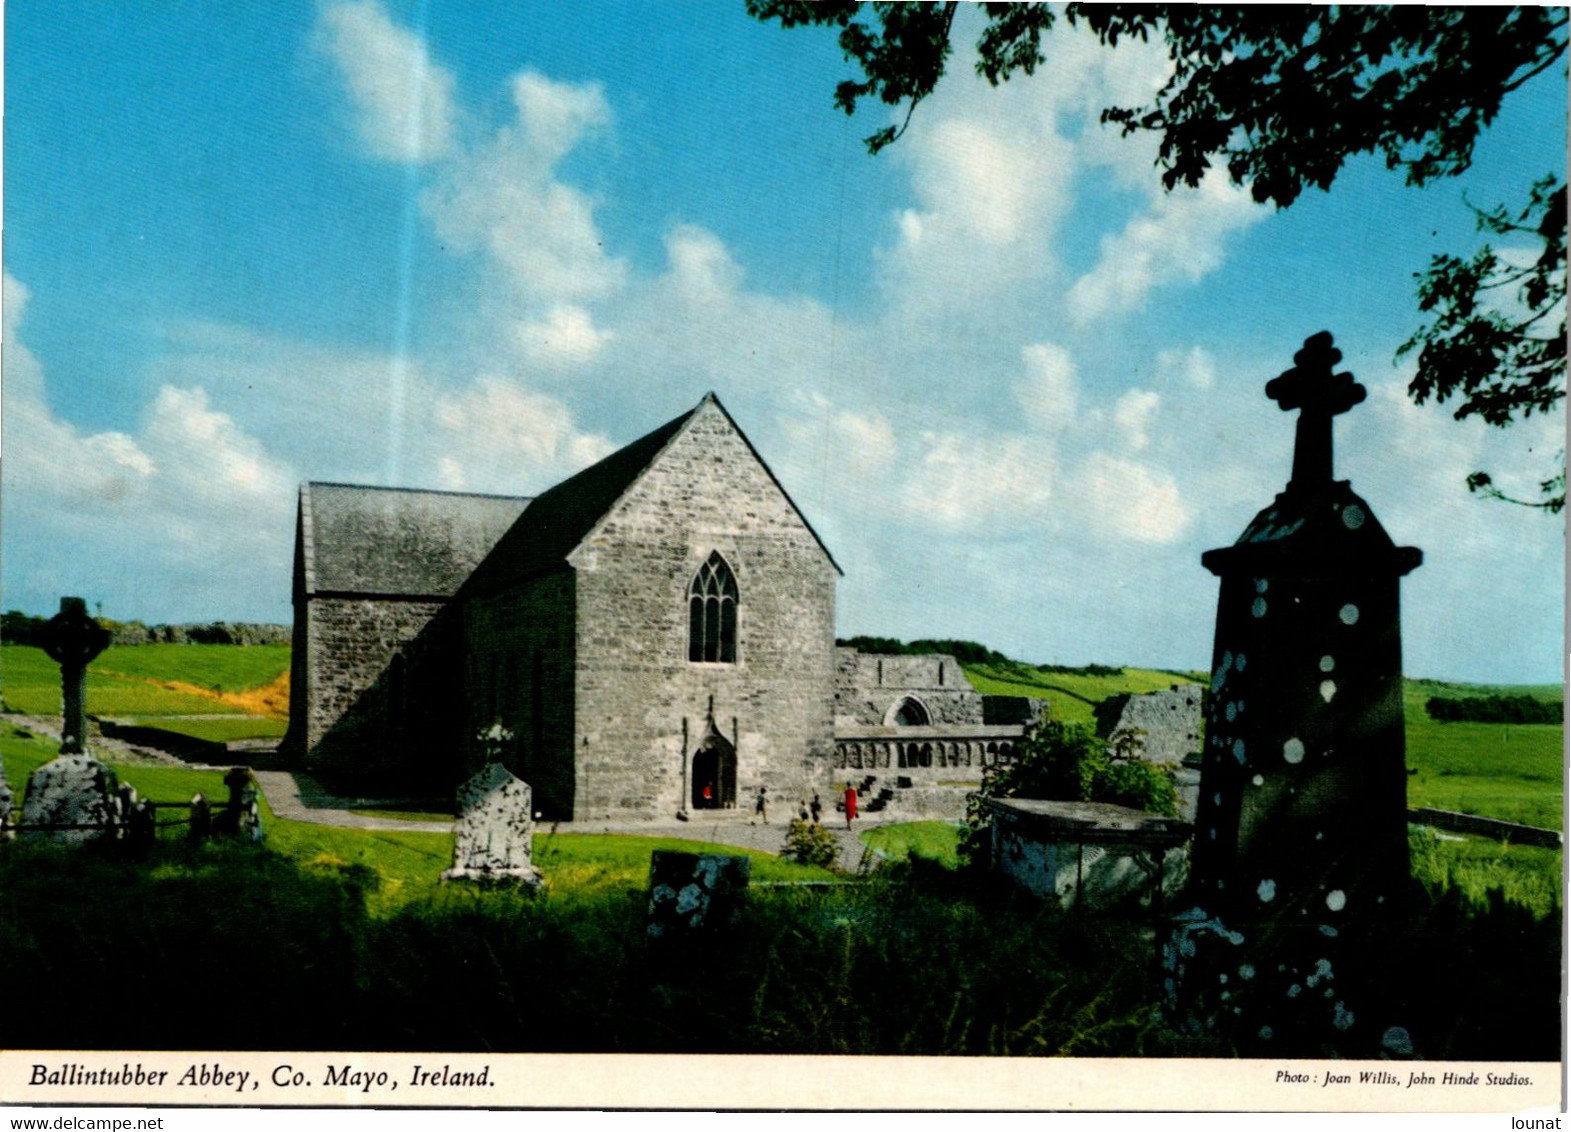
(818, 808)
(760, 806)
(850, 804)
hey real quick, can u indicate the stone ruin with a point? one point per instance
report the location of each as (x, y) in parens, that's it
(493, 837)
(1300, 852)
(1167, 724)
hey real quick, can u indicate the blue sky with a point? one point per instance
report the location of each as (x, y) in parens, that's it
(1017, 388)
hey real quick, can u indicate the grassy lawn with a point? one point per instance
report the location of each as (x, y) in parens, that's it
(217, 730)
(1073, 696)
(1507, 771)
(935, 840)
(404, 815)
(222, 668)
(32, 685)
(1473, 866)
(22, 755)
(119, 682)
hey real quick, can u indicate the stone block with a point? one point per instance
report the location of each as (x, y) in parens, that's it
(694, 893)
(72, 790)
(493, 837)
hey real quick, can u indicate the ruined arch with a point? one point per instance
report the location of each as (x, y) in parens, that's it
(908, 711)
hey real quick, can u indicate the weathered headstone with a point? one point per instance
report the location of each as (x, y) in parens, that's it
(243, 816)
(74, 791)
(492, 840)
(138, 820)
(72, 640)
(1301, 836)
(6, 799)
(201, 827)
(694, 893)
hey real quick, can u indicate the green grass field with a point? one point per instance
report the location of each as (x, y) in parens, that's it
(117, 682)
(217, 730)
(121, 684)
(935, 840)
(1507, 771)
(1073, 696)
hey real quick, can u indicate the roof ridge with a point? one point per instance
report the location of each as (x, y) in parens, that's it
(413, 490)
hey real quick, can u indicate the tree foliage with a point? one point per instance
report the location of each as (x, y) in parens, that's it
(1494, 709)
(1281, 96)
(1496, 339)
(1067, 762)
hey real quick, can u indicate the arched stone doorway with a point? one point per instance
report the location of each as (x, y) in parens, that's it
(714, 771)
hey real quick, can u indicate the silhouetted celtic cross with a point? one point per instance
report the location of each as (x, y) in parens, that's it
(1319, 395)
(72, 639)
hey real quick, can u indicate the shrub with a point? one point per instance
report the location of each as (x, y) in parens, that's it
(1067, 762)
(810, 844)
(1494, 709)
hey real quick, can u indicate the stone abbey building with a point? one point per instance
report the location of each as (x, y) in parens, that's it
(654, 634)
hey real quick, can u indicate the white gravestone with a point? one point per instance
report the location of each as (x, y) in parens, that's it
(495, 828)
(71, 790)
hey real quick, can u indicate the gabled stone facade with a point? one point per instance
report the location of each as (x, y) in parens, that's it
(668, 598)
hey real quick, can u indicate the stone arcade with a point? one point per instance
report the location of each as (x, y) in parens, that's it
(655, 632)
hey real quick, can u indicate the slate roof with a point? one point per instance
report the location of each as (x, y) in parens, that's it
(397, 542)
(557, 521)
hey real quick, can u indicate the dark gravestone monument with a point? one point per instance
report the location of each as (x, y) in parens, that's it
(72, 639)
(694, 894)
(242, 817)
(1301, 832)
(74, 793)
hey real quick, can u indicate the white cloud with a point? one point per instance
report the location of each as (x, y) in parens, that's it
(1133, 414)
(565, 336)
(1048, 389)
(403, 101)
(1130, 500)
(960, 482)
(192, 499)
(505, 199)
(497, 436)
(50, 462)
(1179, 238)
(1194, 367)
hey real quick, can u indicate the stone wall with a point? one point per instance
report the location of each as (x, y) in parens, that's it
(870, 688)
(1170, 721)
(636, 690)
(519, 660)
(350, 646)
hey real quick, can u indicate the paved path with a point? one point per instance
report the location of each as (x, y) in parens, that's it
(300, 797)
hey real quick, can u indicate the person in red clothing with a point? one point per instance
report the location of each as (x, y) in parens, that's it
(850, 804)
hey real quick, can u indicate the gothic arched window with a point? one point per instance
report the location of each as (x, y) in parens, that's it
(711, 613)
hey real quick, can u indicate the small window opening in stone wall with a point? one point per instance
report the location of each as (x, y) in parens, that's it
(711, 609)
